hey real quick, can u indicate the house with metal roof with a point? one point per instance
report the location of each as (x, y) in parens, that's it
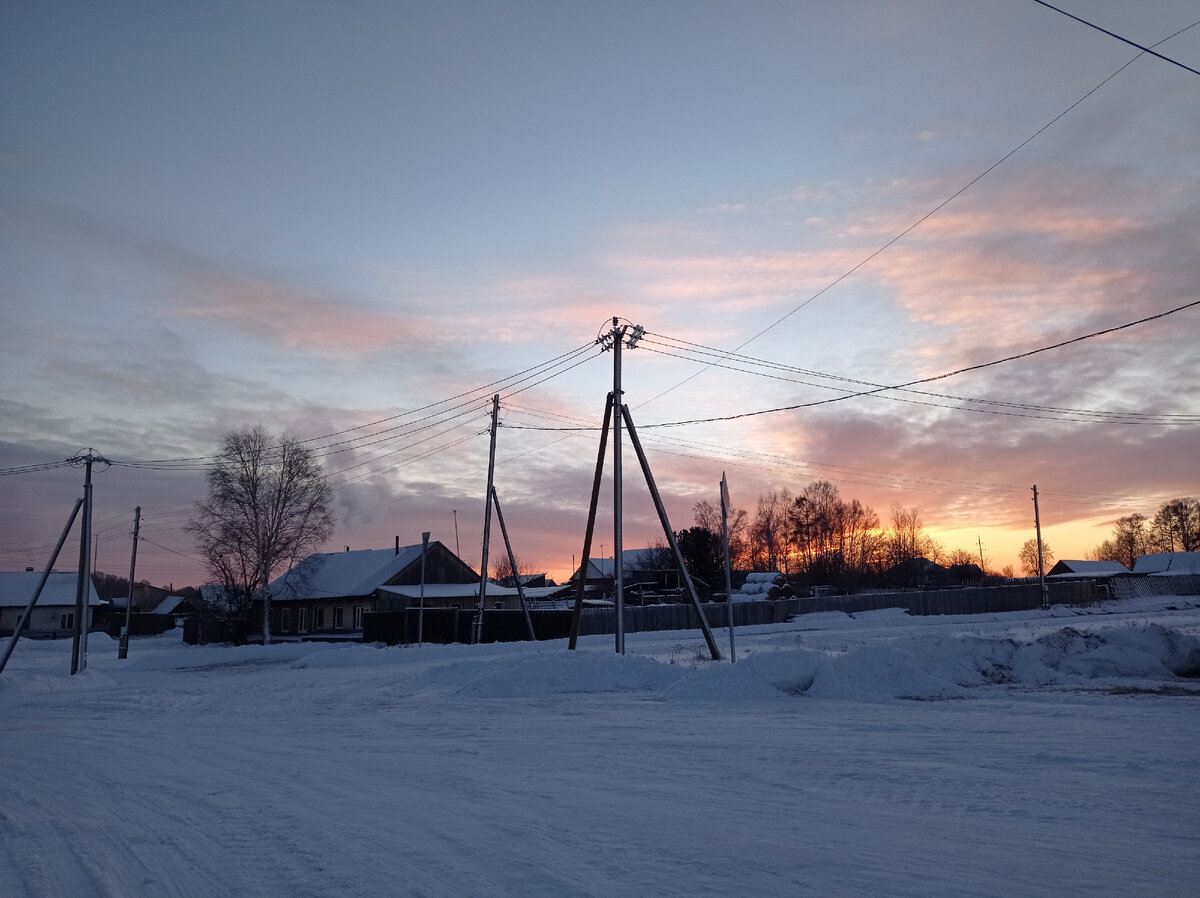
(1069, 568)
(1170, 564)
(328, 593)
(54, 613)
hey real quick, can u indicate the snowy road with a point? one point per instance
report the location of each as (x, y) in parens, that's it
(525, 770)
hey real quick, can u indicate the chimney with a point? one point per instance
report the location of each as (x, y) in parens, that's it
(397, 544)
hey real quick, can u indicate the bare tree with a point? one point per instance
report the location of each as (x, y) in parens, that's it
(1028, 556)
(907, 540)
(770, 534)
(1176, 526)
(1129, 540)
(268, 506)
(836, 541)
(708, 515)
(503, 573)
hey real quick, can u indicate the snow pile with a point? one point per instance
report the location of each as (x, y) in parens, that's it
(929, 667)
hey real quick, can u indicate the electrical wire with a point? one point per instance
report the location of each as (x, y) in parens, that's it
(690, 351)
(928, 215)
(934, 378)
(1119, 37)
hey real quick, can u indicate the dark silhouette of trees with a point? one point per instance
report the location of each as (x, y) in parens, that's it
(1176, 526)
(836, 542)
(1028, 556)
(907, 540)
(503, 573)
(771, 532)
(703, 554)
(267, 506)
(708, 515)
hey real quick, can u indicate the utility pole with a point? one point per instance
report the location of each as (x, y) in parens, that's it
(621, 334)
(979, 540)
(24, 621)
(618, 506)
(728, 570)
(1037, 522)
(83, 591)
(477, 635)
(512, 563)
(421, 607)
(123, 645)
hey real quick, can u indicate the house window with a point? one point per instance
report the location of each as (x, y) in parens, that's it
(320, 618)
(498, 604)
(285, 623)
(303, 615)
(358, 617)
(67, 621)
(337, 618)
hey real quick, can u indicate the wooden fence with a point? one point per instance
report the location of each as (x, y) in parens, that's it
(454, 625)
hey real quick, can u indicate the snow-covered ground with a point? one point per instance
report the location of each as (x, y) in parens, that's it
(1040, 753)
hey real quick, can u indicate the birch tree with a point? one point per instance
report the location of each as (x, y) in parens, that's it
(268, 506)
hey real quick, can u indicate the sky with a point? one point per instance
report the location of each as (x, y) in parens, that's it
(355, 223)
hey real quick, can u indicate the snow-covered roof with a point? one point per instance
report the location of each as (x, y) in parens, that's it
(632, 559)
(16, 588)
(168, 605)
(1173, 563)
(1097, 568)
(332, 574)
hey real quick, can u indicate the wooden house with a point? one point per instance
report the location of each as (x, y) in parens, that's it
(54, 613)
(328, 593)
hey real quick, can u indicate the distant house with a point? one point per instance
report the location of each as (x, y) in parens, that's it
(54, 613)
(1067, 568)
(527, 581)
(1169, 564)
(653, 567)
(328, 593)
(965, 573)
(917, 572)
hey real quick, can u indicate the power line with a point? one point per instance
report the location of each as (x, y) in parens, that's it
(936, 377)
(688, 351)
(1126, 40)
(920, 221)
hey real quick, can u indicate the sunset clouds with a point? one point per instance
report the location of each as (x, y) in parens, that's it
(358, 224)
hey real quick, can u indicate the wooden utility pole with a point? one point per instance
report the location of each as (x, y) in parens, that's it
(24, 621)
(728, 569)
(83, 591)
(123, 645)
(586, 561)
(670, 535)
(1037, 522)
(421, 606)
(512, 563)
(618, 566)
(477, 634)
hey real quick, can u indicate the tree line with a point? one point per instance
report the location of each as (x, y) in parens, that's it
(818, 535)
(1175, 527)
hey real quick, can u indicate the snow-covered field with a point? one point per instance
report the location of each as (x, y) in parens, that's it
(1041, 753)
